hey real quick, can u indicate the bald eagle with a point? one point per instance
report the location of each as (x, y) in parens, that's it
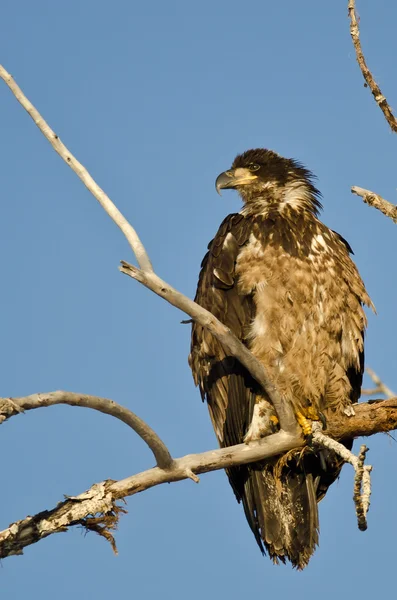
(284, 283)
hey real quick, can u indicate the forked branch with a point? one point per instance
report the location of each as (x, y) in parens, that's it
(370, 198)
(381, 388)
(100, 501)
(362, 479)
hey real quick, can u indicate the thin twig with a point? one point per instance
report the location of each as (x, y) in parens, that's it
(366, 484)
(372, 199)
(362, 480)
(375, 89)
(12, 406)
(362, 488)
(381, 388)
(370, 391)
(103, 199)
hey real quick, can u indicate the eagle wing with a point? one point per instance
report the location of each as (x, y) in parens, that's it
(220, 377)
(223, 381)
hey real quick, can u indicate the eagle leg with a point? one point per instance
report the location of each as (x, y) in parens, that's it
(305, 418)
(311, 413)
(306, 424)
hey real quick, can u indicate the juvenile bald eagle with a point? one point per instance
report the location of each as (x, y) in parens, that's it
(284, 283)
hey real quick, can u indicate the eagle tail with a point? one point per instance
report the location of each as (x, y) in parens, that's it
(281, 507)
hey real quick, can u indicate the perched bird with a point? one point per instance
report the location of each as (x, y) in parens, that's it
(284, 283)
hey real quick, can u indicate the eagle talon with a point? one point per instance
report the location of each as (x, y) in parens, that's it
(306, 424)
(322, 419)
(305, 420)
(312, 414)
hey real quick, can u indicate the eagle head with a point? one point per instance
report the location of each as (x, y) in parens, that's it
(265, 180)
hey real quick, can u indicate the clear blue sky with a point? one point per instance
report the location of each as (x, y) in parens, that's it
(156, 99)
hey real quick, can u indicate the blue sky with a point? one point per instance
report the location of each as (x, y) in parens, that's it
(156, 99)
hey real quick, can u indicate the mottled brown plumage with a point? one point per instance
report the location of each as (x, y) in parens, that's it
(286, 286)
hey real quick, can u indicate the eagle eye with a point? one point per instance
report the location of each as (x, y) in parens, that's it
(253, 167)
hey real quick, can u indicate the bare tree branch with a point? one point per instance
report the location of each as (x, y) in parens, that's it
(375, 89)
(362, 479)
(374, 416)
(362, 488)
(77, 510)
(381, 388)
(146, 275)
(372, 199)
(103, 199)
(97, 509)
(12, 406)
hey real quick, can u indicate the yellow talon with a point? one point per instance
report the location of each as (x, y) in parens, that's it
(274, 420)
(305, 424)
(311, 413)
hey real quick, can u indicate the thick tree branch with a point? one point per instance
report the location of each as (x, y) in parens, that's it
(374, 416)
(145, 274)
(375, 89)
(97, 509)
(12, 406)
(372, 199)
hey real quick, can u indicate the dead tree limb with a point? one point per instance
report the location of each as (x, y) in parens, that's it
(97, 508)
(362, 479)
(381, 388)
(12, 406)
(372, 199)
(370, 81)
(103, 199)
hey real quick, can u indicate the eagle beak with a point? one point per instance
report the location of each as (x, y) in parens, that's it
(233, 178)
